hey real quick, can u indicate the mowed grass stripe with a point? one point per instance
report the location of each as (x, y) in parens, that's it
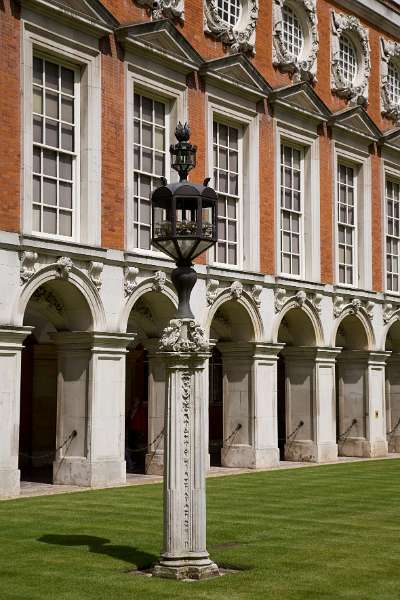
(328, 532)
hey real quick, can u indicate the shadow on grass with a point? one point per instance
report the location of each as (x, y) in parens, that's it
(129, 554)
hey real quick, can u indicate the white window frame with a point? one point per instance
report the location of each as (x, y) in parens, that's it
(310, 267)
(222, 109)
(360, 162)
(239, 211)
(87, 194)
(159, 88)
(389, 172)
(355, 226)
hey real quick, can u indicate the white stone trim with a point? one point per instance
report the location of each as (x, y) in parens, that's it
(240, 37)
(361, 164)
(390, 52)
(310, 239)
(388, 171)
(349, 25)
(365, 321)
(170, 88)
(247, 121)
(303, 67)
(83, 59)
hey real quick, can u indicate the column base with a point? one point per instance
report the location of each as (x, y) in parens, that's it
(246, 457)
(186, 569)
(9, 483)
(81, 472)
(154, 464)
(301, 451)
(363, 448)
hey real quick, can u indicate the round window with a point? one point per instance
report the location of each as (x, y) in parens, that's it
(348, 59)
(394, 83)
(229, 11)
(292, 31)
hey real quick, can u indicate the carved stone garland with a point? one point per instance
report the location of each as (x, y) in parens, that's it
(304, 66)
(390, 52)
(241, 37)
(164, 9)
(357, 90)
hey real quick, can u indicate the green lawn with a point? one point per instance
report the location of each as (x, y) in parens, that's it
(330, 532)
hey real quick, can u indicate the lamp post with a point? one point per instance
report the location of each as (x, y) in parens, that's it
(184, 226)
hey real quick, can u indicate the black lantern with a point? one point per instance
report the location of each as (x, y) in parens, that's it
(184, 216)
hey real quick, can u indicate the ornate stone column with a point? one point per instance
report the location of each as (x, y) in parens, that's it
(11, 344)
(324, 411)
(157, 387)
(184, 553)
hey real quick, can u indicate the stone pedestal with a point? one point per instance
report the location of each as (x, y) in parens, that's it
(11, 344)
(184, 553)
(91, 402)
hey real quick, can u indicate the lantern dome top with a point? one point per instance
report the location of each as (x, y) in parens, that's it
(184, 188)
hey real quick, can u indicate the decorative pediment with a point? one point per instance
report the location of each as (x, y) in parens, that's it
(301, 97)
(356, 120)
(88, 14)
(163, 40)
(391, 139)
(237, 73)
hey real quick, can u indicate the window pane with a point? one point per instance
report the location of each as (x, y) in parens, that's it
(50, 163)
(49, 220)
(36, 225)
(67, 137)
(50, 191)
(67, 81)
(65, 166)
(38, 129)
(52, 105)
(36, 189)
(37, 100)
(160, 139)
(65, 223)
(147, 109)
(145, 238)
(51, 71)
(36, 160)
(37, 70)
(65, 194)
(52, 133)
(67, 109)
(159, 113)
(147, 135)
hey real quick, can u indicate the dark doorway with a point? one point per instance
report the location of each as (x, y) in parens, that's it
(137, 396)
(38, 418)
(215, 414)
(281, 408)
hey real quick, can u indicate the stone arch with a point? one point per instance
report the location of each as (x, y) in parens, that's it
(391, 334)
(241, 312)
(146, 289)
(302, 323)
(355, 330)
(391, 343)
(76, 287)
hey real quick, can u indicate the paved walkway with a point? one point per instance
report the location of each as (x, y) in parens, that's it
(30, 489)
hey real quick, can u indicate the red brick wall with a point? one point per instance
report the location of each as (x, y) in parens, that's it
(10, 126)
(326, 205)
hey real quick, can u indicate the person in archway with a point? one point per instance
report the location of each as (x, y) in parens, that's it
(135, 432)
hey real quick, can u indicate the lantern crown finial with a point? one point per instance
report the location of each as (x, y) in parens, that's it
(183, 154)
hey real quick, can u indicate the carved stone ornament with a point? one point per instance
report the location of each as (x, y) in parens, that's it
(241, 37)
(28, 263)
(388, 312)
(94, 271)
(164, 9)
(353, 306)
(280, 299)
(390, 53)
(256, 291)
(183, 335)
(159, 280)
(236, 290)
(212, 291)
(130, 275)
(63, 266)
(304, 66)
(357, 90)
(300, 298)
(316, 300)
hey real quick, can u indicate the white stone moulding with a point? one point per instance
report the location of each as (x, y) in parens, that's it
(354, 306)
(304, 66)
(300, 298)
(241, 37)
(130, 283)
(183, 335)
(164, 9)
(357, 90)
(95, 270)
(236, 291)
(390, 53)
(28, 265)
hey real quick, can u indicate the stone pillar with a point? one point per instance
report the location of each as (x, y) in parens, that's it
(237, 361)
(300, 401)
(362, 430)
(11, 339)
(91, 402)
(184, 553)
(264, 409)
(393, 402)
(324, 405)
(157, 394)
